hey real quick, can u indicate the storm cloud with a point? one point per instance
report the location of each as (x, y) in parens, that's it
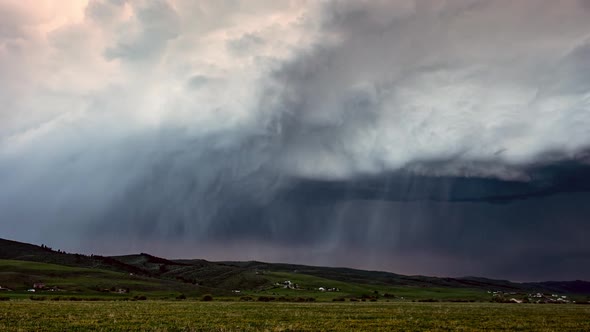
(422, 137)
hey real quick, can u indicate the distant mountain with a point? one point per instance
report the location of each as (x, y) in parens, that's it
(224, 277)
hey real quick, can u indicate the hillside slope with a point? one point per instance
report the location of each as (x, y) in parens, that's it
(14, 250)
(60, 280)
(223, 277)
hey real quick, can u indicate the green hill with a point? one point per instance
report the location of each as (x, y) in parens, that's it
(28, 252)
(23, 264)
(200, 272)
(60, 280)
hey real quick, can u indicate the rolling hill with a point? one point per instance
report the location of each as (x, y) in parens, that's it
(67, 280)
(22, 264)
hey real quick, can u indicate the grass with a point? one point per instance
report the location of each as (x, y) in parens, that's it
(163, 278)
(309, 286)
(84, 282)
(237, 316)
(92, 283)
(88, 283)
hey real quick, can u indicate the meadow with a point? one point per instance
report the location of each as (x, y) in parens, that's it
(26, 315)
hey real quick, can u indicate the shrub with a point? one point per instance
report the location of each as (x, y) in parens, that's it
(37, 298)
(246, 298)
(365, 297)
(4, 298)
(140, 298)
(181, 297)
(207, 297)
(499, 299)
(266, 298)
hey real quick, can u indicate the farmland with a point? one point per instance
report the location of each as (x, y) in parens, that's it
(25, 315)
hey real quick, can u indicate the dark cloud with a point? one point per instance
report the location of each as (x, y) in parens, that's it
(565, 177)
(402, 81)
(417, 137)
(520, 230)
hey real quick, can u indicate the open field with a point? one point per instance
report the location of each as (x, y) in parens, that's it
(238, 316)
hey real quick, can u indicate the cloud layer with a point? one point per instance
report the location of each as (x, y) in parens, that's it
(213, 121)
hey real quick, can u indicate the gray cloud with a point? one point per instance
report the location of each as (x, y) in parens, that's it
(435, 83)
(419, 137)
(156, 23)
(246, 44)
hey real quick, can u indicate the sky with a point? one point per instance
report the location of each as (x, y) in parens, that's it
(443, 138)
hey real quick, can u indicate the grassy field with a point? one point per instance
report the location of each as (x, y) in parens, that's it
(310, 284)
(90, 283)
(83, 282)
(238, 316)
